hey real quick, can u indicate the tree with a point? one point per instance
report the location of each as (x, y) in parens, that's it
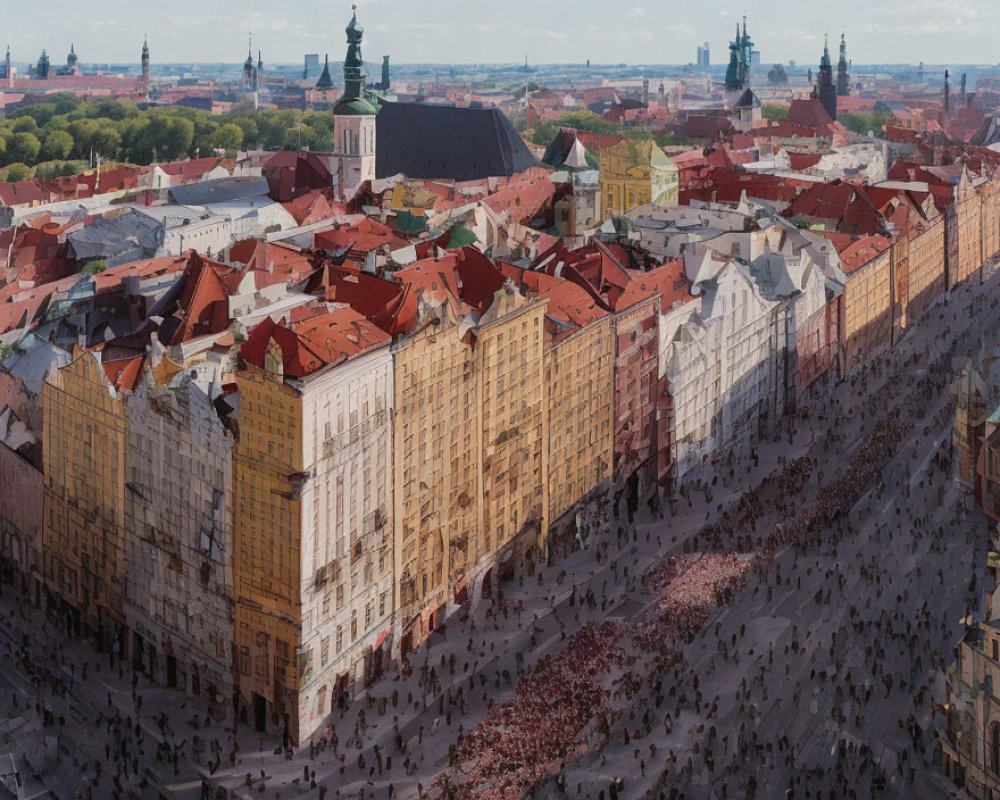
(25, 124)
(174, 138)
(251, 133)
(204, 130)
(861, 122)
(531, 87)
(774, 112)
(107, 141)
(57, 146)
(543, 134)
(17, 172)
(66, 103)
(640, 134)
(229, 138)
(588, 121)
(40, 113)
(23, 147)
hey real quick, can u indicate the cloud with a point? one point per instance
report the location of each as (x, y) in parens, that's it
(636, 11)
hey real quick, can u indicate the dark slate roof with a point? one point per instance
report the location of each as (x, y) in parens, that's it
(434, 141)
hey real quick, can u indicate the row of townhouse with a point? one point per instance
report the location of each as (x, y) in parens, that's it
(296, 487)
(265, 513)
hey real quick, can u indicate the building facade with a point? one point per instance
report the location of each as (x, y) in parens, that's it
(926, 279)
(579, 376)
(471, 427)
(84, 546)
(21, 504)
(634, 174)
(866, 305)
(179, 604)
(347, 558)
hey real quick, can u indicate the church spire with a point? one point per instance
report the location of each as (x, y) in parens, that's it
(843, 79)
(325, 80)
(354, 100)
(947, 95)
(825, 91)
(354, 66)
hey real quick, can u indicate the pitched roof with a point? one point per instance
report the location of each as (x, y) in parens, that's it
(319, 341)
(669, 280)
(360, 238)
(855, 253)
(204, 299)
(569, 303)
(392, 306)
(809, 112)
(428, 141)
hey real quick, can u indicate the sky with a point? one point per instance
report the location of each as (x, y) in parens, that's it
(495, 31)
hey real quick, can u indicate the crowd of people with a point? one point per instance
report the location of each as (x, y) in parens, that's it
(579, 690)
(540, 729)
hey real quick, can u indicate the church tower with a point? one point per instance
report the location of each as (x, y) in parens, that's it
(353, 121)
(8, 72)
(843, 78)
(947, 95)
(144, 79)
(42, 70)
(824, 90)
(248, 82)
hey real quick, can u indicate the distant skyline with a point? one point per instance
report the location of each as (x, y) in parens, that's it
(466, 32)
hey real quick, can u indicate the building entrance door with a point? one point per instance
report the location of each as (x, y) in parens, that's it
(259, 713)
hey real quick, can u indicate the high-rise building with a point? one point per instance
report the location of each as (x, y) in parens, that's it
(311, 67)
(706, 54)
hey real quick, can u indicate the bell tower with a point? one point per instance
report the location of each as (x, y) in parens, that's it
(354, 121)
(144, 79)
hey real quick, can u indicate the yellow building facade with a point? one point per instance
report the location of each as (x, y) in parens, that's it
(84, 541)
(471, 480)
(634, 174)
(579, 379)
(926, 266)
(867, 308)
(266, 549)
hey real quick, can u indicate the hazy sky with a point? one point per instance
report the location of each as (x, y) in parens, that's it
(478, 31)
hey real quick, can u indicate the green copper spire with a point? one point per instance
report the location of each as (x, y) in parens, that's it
(354, 66)
(353, 100)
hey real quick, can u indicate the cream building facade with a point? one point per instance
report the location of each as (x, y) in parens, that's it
(179, 570)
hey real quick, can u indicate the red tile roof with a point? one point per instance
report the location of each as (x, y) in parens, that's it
(855, 253)
(317, 342)
(124, 373)
(670, 280)
(204, 301)
(568, 303)
(24, 193)
(360, 238)
(849, 209)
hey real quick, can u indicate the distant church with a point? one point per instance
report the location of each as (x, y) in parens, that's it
(825, 91)
(378, 139)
